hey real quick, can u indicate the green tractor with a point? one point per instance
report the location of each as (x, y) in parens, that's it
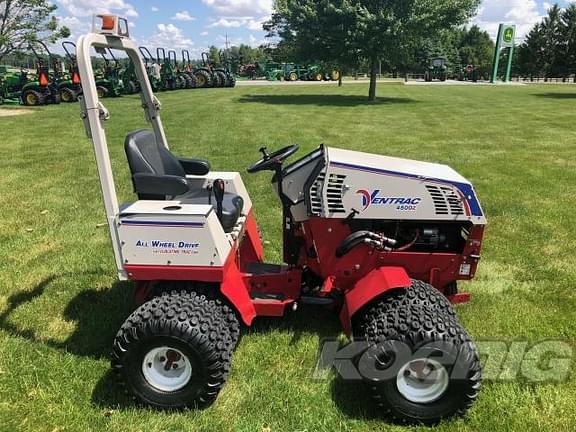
(315, 73)
(168, 77)
(436, 69)
(70, 88)
(294, 72)
(108, 81)
(274, 71)
(11, 84)
(129, 78)
(331, 74)
(183, 80)
(204, 76)
(227, 69)
(42, 89)
(152, 68)
(188, 68)
(218, 74)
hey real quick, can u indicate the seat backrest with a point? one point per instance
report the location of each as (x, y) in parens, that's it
(146, 155)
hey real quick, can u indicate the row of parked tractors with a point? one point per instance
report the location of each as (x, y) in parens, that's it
(289, 72)
(54, 82)
(296, 72)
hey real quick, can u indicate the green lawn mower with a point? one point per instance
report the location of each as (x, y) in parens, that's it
(11, 84)
(108, 81)
(43, 88)
(152, 68)
(70, 87)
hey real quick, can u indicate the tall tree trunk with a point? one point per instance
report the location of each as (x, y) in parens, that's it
(340, 80)
(373, 76)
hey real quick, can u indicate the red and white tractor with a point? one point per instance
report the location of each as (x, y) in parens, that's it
(380, 240)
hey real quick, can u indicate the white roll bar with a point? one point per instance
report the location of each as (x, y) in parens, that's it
(114, 36)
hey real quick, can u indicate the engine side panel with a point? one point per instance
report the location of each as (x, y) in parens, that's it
(371, 193)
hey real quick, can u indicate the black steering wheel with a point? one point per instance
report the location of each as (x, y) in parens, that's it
(271, 162)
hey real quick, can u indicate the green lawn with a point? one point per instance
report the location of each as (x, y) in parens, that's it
(60, 304)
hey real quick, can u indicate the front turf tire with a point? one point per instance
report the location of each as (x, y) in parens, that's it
(187, 327)
(442, 381)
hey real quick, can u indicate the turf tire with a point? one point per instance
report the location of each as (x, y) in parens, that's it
(213, 294)
(219, 79)
(417, 325)
(205, 77)
(184, 321)
(32, 98)
(68, 95)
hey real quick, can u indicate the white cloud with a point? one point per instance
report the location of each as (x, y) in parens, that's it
(154, 9)
(523, 13)
(248, 22)
(251, 40)
(204, 33)
(77, 27)
(85, 8)
(240, 8)
(169, 36)
(240, 13)
(183, 16)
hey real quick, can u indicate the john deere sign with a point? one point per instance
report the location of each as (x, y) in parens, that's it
(506, 39)
(508, 36)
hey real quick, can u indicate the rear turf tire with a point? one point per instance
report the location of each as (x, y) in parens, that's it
(203, 78)
(219, 79)
(190, 328)
(400, 320)
(68, 95)
(32, 98)
(102, 92)
(212, 294)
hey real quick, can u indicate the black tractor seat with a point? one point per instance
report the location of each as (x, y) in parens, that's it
(159, 175)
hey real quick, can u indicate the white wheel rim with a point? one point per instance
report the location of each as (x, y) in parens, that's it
(422, 381)
(166, 369)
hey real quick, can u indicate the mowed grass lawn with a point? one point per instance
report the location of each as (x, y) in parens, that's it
(60, 304)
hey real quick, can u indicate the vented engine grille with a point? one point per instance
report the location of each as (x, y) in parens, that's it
(316, 195)
(446, 202)
(334, 190)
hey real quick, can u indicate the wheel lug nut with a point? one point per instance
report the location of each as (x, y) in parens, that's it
(407, 373)
(174, 366)
(162, 359)
(149, 365)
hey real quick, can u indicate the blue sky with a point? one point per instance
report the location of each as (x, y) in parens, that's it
(196, 24)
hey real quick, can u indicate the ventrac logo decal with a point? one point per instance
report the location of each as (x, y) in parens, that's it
(373, 199)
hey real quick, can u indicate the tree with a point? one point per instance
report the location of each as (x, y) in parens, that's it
(568, 48)
(374, 30)
(23, 21)
(475, 47)
(550, 47)
(531, 52)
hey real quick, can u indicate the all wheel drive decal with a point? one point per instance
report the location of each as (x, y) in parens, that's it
(467, 192)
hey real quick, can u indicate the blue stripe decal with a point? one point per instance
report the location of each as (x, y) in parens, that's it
(163, 224)
(465, 188)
